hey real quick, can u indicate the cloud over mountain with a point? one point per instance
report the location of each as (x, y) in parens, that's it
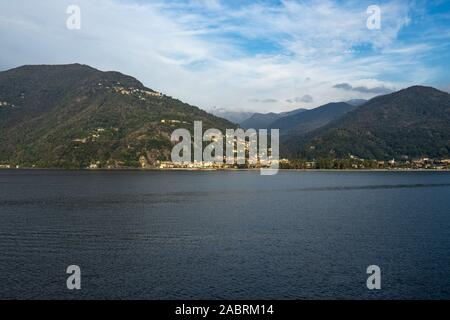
(363, 89)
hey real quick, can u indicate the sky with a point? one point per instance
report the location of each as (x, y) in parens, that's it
(263, 56)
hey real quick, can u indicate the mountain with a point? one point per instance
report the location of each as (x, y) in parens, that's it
(259, 120)
(356, 102)
(74, 116)
(300, 120)
(264, 120)
(292, 112)
(413, 123)
(307, 121)
(233, 116)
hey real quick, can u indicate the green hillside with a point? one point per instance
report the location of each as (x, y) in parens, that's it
(74, 116)
(414, 122)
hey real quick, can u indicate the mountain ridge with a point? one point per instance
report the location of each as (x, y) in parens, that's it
(75, 116)
(412, 122)
(312, 119)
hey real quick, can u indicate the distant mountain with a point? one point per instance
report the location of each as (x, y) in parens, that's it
(307, 121)
(259, 120)
(356, 102)
(74, 116)
(292, 112)
(233, 116)
(264, 120)
(413, 122)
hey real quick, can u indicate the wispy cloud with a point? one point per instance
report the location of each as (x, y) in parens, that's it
(269, 100)
(363, 89)
(306, 99)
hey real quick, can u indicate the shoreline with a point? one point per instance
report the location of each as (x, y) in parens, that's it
(224, 169)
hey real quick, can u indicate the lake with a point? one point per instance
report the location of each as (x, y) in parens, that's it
(224, 234)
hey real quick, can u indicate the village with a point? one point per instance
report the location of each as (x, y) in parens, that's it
(336, 164)
(320, 164)
(355, 163)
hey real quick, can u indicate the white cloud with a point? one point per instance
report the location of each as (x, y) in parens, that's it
(192, 50)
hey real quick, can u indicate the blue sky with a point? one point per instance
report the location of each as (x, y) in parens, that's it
(265, 55)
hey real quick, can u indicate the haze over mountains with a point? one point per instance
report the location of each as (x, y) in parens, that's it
(312, 118)
(233, 116)
(76, 116)
(264, 120)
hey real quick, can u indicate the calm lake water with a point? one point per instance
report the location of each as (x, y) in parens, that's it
(234, 235)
